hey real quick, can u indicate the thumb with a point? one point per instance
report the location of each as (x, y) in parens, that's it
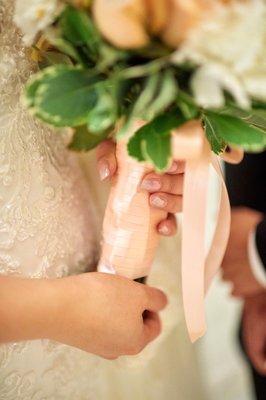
(156, 299)
(106, 159)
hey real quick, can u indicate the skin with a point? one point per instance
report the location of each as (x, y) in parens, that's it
(254, 331)
(76, 311)
(165, 190)
(235, 266)
(237, 271)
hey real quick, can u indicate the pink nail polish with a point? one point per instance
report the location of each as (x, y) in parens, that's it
(152, 185)
(173, 168)
(104, 170)
(164, 230)
(158, 202)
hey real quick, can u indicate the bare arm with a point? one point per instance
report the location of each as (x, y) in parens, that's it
(98, 313)
(28, 308)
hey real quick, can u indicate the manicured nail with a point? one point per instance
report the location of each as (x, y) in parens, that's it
(164, 230)
(173, 168)
(158, 202)
(104, 170)
(152, 185)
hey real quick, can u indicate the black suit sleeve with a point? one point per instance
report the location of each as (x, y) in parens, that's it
(261, 240)
(246, 185)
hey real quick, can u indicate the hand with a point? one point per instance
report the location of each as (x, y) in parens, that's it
(166, 190)
(236, 267)
(103, 314)
(254, 331)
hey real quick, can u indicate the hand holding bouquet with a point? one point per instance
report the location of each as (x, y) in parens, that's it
(165, 79)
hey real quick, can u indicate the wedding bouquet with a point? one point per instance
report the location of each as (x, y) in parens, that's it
(165, 79)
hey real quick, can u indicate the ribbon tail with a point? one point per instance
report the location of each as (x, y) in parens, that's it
(221, 235)
(193, 243)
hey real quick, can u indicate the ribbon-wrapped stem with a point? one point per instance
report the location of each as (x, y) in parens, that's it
(130, 237)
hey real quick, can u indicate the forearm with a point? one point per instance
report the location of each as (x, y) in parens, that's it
(28, 308)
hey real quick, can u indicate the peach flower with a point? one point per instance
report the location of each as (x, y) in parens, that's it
(130, 23)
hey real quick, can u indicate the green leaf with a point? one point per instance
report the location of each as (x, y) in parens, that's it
(79, 30)
(134, 146)
(141, 104)
(157, 150)
(83, 140)
(50, 58)
(65, 47)
(255, 116)
(165, 96)
(234, 131)
(104, 115)
(158, 93)
(146, 97)
(188, 107)
(63, 95)
(152, 142)
(31, 90)
(216, 142)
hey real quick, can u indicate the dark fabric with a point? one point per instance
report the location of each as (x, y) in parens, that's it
(246, 182)
(261, 241)
(246, 185)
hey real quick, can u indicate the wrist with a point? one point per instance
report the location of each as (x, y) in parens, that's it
(28, 308)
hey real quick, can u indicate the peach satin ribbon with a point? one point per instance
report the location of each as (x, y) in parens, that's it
(189, 142)
(130, 237)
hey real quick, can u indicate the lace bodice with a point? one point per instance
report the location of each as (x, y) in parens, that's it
(15, 65)
(46, 224)
(45, 217)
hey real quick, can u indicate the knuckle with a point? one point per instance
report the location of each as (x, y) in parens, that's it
(134, 349)
(145, 295)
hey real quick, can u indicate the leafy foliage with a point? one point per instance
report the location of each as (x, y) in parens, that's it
(63, 95)
(78, 29)
(83, 140)
(91, 86)
(152, 142)
(222, 129)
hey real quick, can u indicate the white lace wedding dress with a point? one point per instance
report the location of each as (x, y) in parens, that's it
(48, 225)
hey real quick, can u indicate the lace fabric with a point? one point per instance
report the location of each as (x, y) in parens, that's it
(46, 226)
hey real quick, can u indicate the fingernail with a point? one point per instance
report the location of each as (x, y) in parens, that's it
(159, 202)
(152, 185)
(104, 170)
(164, 230)
(173, 167)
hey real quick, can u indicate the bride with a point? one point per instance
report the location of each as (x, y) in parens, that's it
(54, 330)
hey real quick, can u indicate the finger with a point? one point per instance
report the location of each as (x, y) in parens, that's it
(106, 159)
(166, 183)
(156, 299)
(168, 227)
(256, 352)
(110, 358)
(151, 328)
(168, 202)
(177, 167)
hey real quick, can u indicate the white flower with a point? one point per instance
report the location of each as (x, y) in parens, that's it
(33, 16)
(230, 48)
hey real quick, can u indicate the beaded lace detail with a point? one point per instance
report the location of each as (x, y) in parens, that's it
(46, 226)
